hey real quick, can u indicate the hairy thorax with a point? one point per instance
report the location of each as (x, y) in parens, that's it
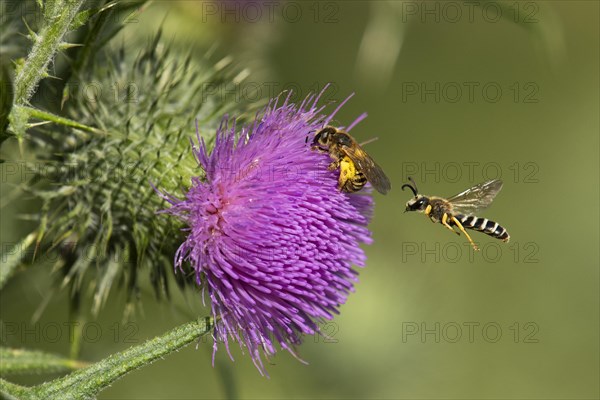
(438, 208)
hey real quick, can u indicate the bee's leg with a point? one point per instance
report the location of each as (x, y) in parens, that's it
(341, 183)
(345, 175)
(319, 149)
(445, 223)
(457, 222)
(347, 186)
(333, 166)
(428, 213)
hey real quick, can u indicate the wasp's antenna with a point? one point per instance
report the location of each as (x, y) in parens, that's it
(414, 184)
(412, 187)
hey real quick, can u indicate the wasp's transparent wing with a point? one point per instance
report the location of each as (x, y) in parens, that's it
(476, 198)
(365, 164)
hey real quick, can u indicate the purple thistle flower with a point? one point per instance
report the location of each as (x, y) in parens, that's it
(269, 232)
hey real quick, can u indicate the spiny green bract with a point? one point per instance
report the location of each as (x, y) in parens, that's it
(100, 210)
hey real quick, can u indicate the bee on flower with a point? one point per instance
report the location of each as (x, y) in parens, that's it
(269, 233)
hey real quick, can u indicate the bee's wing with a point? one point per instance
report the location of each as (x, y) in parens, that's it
(476, 198)
(365, 164)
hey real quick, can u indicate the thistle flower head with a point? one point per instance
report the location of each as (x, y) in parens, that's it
(99, 212)
(269, 232)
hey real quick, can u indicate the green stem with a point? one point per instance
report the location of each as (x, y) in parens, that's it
(46, 43)
(86, 383)
(23, 361)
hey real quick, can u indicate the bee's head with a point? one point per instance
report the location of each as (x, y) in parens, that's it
(324, 137)
(419, 202)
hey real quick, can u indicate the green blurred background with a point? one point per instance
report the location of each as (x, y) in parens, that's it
(424, 320)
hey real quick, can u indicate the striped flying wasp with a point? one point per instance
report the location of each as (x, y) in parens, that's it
(459, 209)
(356, 166)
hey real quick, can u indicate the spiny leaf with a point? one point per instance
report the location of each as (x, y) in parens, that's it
(11, 391)
(6, 97)
(99, 32)
(13, 257)
(81, 18)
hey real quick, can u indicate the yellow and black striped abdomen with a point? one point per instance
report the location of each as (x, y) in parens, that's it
(484, 225)
(351, 179)
(354, 183)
